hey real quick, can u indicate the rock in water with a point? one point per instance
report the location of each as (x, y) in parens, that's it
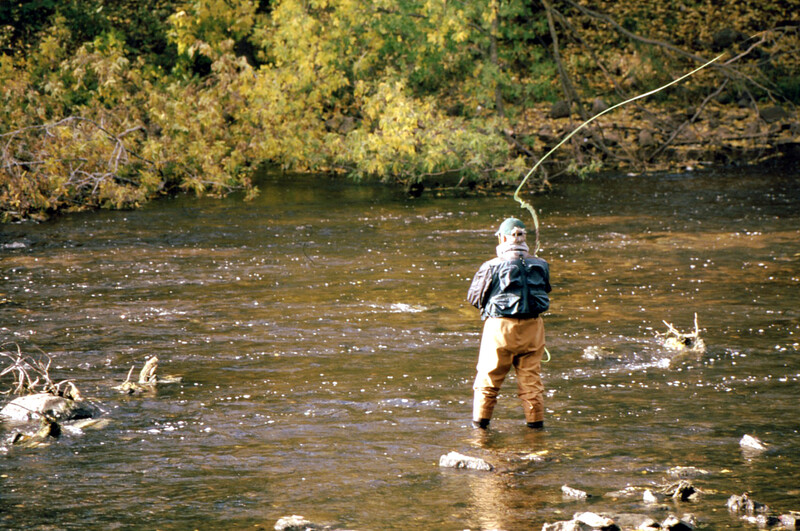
(790, 520)
(456, 460)
(752, 443)
(575, 494)
(295, 523)
(32, 407)
(674, 524)
(651, 498)
(583, 522)
(743, 504)
(593, 520)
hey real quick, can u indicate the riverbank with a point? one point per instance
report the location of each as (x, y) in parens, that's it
(661, 138)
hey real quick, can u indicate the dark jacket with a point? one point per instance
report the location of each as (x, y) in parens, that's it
(514, 285)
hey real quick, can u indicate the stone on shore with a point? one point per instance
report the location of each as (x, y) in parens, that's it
(774, 114)
(560, 109)
(457, 460)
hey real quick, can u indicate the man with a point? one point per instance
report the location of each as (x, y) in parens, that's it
(511, 293)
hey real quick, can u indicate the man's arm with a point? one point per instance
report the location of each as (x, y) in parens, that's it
(476, 295)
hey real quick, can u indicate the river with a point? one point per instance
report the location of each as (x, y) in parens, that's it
(327, 354)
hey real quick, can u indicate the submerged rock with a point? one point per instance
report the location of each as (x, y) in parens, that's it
(685, 472)
(594, 352)
(628, 492)
(39, 405)
(457, 460)
(41, 437)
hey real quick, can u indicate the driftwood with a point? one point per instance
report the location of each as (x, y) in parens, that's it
(32, 375)
(40, 399)
(148, 379)
(674, 339)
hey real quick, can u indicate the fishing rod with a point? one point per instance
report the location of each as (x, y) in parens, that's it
(525, 204)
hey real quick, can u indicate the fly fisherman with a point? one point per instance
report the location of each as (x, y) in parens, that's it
(511, 293)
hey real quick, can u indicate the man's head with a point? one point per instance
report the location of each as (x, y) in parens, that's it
(511, 229)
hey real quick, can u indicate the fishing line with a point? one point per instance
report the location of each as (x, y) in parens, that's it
(527, 205)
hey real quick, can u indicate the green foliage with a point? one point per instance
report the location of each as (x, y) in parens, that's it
(584, 171)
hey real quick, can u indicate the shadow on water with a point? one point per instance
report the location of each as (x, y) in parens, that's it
(327, 355)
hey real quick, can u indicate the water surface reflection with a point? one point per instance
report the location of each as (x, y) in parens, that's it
(327, 354)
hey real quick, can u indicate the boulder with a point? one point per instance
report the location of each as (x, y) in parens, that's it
(773, 114)
(646, 139)
(457, 460)
(560, 109)
(598, 106)
(726, 38)
(34, 407)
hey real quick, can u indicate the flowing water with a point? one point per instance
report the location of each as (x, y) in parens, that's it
(327, 355)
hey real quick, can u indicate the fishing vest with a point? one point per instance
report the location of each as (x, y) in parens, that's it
(515, 287)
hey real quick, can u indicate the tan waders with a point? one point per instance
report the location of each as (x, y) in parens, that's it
(508, 342)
